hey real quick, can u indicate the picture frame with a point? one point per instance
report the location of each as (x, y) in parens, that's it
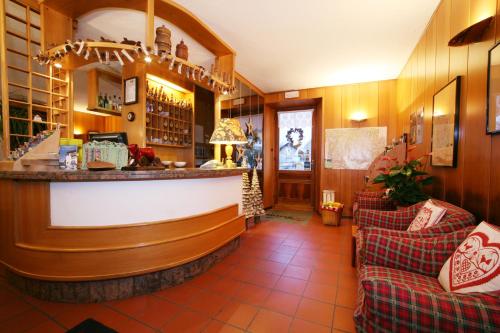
(417, 126)
(445, 125)
(493, 91)
(131, 90)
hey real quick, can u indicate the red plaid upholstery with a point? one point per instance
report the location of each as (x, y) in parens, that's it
(436, 230)
(391, 300)
(401, 219)
(425, 255)
(371, 200)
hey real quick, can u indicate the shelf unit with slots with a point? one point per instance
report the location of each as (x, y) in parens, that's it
(170, 124)
(31, 90)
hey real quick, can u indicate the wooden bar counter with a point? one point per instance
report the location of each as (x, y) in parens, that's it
(78, 231)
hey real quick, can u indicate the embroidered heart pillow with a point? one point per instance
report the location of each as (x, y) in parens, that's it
(429, 215)
(475, 264)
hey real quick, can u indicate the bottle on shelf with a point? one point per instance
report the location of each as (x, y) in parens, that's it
(120, 105)
(106, 102)
(99, 100)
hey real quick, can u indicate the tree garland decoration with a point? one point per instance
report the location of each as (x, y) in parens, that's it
(107, 50)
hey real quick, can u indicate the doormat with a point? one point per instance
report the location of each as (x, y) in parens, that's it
(91, 326)
(287, 216)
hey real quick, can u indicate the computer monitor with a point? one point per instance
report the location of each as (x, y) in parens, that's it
(118, 137)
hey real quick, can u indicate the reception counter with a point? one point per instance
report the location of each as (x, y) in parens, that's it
(87, 231)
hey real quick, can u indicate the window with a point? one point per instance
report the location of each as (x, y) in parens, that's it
(295, 133)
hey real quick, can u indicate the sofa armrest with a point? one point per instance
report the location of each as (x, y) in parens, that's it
(388, 307)
(424, 255)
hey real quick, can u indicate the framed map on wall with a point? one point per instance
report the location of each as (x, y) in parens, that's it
(353, 148)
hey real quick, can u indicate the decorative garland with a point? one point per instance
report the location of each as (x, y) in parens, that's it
(295, 130)
(106, 51)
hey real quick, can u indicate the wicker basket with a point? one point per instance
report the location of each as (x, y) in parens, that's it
(331, 217)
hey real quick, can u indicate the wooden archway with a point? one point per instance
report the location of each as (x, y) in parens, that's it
(165, 9)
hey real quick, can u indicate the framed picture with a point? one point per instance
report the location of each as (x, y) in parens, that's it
(417, 126)
(493, 91)
(445, 117)
(131, 90)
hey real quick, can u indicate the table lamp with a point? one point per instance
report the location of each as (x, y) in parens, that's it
(228, 132)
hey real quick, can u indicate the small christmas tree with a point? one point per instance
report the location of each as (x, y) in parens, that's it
(258, 205)
(247, 197)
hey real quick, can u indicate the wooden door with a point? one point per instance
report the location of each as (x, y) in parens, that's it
(295, 154)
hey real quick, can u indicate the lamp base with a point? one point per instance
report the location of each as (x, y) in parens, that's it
(229, 156)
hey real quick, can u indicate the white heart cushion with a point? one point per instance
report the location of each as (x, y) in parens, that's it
(429, 215)
(475, 264)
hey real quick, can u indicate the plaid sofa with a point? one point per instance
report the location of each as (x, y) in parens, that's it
(399, 290)
(395, 223)
(371, 200)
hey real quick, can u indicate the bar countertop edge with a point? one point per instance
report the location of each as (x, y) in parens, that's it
(118, 175)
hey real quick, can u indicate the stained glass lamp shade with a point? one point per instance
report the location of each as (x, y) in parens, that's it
(228, 132)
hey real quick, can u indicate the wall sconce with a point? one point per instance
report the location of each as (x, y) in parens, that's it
(359, 116)
(472, 34)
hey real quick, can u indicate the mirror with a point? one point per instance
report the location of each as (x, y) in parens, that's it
(97, 99)
(247, 107)
(445, 117)
(493, 92)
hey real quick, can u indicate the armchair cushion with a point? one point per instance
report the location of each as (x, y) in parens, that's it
(474, 266)
(419, 255)
(391, 300)
(429, 215)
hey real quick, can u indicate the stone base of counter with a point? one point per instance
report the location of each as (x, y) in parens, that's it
(113, 289)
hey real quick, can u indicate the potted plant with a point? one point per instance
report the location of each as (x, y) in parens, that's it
(405, 183)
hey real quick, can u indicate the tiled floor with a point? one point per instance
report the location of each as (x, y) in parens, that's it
(283, 278)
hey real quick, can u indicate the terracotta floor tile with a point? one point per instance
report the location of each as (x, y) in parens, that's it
(13, 308)
(187, 322)
(272, 267)
(347, 281)
(282, 302)
(343, 319)
(317, 312)
(252, 294)
(293, 242)
(346, 297)
(204, 280)
(302, 326)
(217, 327)
(280, 257)
(180, 294)
(270, 322)
(23, 321)
(221, 268)
(291, 285)
(285, 249)
(47, 326)
(324, 277)
(225, 286)
(302, 262)
(237, 314)
(264, 279)
(208, 302)
(321, 292)
(297, 272)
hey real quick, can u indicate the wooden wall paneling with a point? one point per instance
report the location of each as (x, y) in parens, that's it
(57, 27)
(477, 147)
(494, 195)
(368, 103)
(430, 82)
(458, 67)
(387, 112)
(350, 104)
(269, 154)
(442, 73)
(332, 118)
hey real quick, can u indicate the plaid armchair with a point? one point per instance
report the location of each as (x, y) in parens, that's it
(455, 218)
(399, 291)
(395, 223)
(371, 200)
